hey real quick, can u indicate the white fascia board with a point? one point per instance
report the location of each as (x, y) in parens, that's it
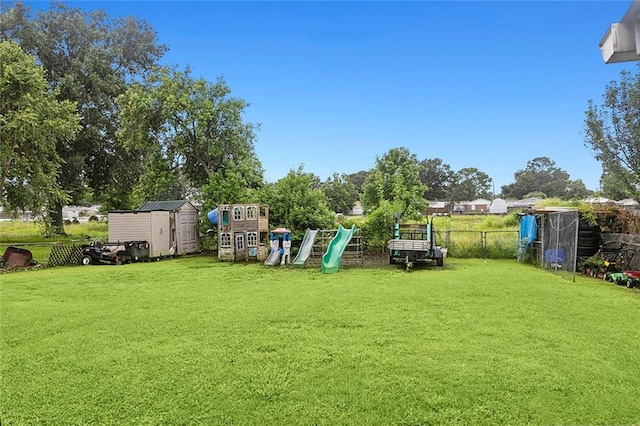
(621, 42)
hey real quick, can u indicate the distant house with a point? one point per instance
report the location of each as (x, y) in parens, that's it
(599, 200)
(478, 205)
(355, 210)
(524, 204)
(628, 203)
(4, 215)
(438, 208)
(77, 212)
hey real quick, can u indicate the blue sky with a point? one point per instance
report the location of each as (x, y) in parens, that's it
(490, 85)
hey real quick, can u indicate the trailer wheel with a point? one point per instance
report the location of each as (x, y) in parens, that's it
(408, 264)
(86, 260)
(439, 261)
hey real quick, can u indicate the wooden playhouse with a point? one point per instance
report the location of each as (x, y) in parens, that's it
(243, 232)
(170, 227)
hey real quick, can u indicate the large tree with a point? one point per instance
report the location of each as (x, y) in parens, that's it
(89, 58)
(340, 192)
(612, 187)
(395, 178)
(32, 121)
(540, 175)
(438, 178)
(470, 183)
(612, 131)
(296, 203)
(192, 131)
(358, 179)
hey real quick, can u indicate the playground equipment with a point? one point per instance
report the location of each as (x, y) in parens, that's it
(414, 243)
(331, 259)
(305, 248)
(280, 243)
(242, 231)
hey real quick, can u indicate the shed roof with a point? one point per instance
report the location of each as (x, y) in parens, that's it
(163, 205)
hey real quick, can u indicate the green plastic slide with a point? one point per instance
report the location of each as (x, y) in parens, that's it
(305, 248)
(331, 259)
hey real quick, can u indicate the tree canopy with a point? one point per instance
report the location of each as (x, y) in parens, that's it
(296, 202)
(541, 175)
(191, 131)
(612, 131)
(89, 58)
(395, 178)
(32, 122)
(438, 178)
(470, 183)
(340, 192)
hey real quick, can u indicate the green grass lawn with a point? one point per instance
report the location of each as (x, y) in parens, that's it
(17, 231)
(195, 341)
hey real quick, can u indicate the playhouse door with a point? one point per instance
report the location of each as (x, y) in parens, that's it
(241, 251)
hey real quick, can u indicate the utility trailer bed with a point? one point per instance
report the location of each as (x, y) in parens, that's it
(414, 243)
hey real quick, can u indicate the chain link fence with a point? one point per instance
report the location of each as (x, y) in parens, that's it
(496, 244)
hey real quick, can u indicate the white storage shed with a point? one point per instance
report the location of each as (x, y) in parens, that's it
(170, 227)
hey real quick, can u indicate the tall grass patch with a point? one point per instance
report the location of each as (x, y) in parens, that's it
(18, 231)
(196, 341)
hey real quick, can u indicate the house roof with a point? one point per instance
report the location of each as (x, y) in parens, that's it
(438, 204)
(163, 205)
(598, 200)
(627, 202)
(479, 201)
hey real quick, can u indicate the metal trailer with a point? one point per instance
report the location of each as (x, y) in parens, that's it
(414, 244)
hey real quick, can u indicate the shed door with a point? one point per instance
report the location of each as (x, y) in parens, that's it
(160, 234)
(188, 232)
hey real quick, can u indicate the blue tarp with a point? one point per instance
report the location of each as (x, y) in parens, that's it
(528, 233)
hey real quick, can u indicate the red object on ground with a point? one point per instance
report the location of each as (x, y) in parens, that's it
(16, 256)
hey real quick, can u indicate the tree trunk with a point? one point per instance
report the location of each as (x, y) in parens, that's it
(56, 224)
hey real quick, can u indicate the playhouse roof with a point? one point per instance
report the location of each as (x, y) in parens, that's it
(281, 231)
(150, 206)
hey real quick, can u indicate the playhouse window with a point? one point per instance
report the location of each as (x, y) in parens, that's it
(237, 213)
(252, 238)
(251, 212)
(225, 240)
(239, 242)
(225, 218)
